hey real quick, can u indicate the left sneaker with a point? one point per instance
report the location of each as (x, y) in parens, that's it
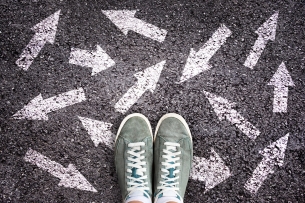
(134, 158)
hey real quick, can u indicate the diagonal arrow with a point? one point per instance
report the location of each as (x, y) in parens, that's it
(281, 80)
(44, 32)
(212, 171)
(38, 108)
(125, 21)
(98, 60)
(265, 33)
(69, 177)
(147, 80)
(224, 110)
(99, 131)
(198, 62)
(273, 155)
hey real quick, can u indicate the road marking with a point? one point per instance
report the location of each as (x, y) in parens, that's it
(147, 80)
(198, 62)
(265, 33)
(281, 80)
(98, 60)
(45, 31)
(99, 131)
(125, 21)
(38, 108)
(212, 171)
(69, 177)
(224, 110)
(273, 155)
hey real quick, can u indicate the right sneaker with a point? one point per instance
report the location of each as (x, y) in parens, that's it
(173, 154)
(134, 158)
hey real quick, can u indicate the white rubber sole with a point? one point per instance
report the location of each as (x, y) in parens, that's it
(173, 115)
(130, 116)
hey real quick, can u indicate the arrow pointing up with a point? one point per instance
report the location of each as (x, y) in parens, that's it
(273, 155)
(45, 31)
(38, 108)
(147, 80)
(198, 62)
(265, 33)
(224, 110)
(98, 60)
(212, 171)
(69, 177)
(99, 131)
(125, 21)
(281, 80)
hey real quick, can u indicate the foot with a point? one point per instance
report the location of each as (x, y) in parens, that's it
(134, 157)
(173, 153)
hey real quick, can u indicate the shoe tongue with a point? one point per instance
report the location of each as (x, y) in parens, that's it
(136, 193)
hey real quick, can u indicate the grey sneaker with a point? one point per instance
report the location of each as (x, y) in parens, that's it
(173, 153)
(134, 157)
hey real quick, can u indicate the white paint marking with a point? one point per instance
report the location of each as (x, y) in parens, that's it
(265, 33)
(281, 80)
(212, 171)
(224, 110)
(45, 31)
(125, 21)
(147, 80)
(38, 108)
(98, 60)
(69, 177)
(198, 62)
(273, 155)
(99, 131)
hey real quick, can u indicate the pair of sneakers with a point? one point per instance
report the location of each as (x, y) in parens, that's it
(169, 152)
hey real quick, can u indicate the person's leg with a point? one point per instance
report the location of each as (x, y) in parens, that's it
(133, 159)
(173, 153)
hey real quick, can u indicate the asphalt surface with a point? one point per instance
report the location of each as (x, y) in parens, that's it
(189, 24)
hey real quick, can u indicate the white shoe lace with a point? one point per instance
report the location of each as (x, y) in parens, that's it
(170, 177)
(136, 168)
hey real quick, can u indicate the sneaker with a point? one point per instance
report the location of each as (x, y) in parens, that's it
(134, 158)
(173, 153)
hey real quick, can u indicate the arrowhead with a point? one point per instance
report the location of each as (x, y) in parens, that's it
(99, 131)
(32, 110)
(74, 179)
(281, 77)
(212, 171)
(276, 150)
(150, 76)
(268, 29)
(101, 61)
(220, 105)
(121, 18)
(47, 28)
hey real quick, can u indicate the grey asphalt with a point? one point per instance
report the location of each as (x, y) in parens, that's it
(189, 24)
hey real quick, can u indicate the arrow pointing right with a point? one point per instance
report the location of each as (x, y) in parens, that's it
(69, 177)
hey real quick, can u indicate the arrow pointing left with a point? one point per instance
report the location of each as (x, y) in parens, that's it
(69, 177)
(38, 108)
(44, 32)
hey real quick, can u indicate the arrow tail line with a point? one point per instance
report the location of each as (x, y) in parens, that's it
(256, 52)
(80, 57)
(280, 99)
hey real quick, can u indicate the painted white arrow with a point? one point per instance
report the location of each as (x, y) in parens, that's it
(281, 80)
(274, 155)
(69, 177)
(38, 108)
(45, 31)
(99, 131)
(224, 110)
(98, 60)
(212, 171)
(198, 62)
(147, 80)
(125, 21)
(265, 33)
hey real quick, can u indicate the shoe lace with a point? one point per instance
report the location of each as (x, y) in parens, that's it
(169, 178)
(136, 167)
